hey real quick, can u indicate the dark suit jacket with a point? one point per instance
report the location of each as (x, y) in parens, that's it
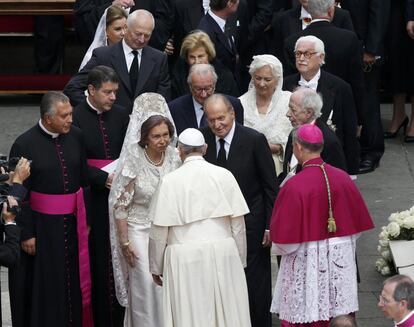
(332, 151)
(226, 54)
(288, 22)
(153, 75)
(182, 111)
(337, 97)
(370, 19)
(410, 10)
(343, 57)
(251, 163)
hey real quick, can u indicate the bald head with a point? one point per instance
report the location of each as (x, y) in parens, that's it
(140, 25)
(343, 321)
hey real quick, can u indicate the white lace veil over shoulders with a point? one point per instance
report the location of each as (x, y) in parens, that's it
(99, 40)
(130, 162)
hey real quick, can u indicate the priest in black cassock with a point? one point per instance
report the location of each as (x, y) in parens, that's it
(103, 125)
(51, 286)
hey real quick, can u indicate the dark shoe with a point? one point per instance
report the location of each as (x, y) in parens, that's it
(390, 135)
(409, 139)
(367, 165)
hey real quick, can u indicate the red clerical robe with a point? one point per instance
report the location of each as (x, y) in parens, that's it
(307, 292)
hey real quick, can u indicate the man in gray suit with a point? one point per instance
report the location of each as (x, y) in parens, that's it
(140, 68)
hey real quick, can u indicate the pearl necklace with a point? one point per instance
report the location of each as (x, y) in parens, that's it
(151, 161)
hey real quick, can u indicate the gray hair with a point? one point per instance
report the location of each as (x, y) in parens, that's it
(319, 45)
(343, 321)
(319, 8)
(404, 289)
(136, 15)
(49, 100)
(266, 60)
(187, 149)
(203, 70)
(218, 96)
(310, 99)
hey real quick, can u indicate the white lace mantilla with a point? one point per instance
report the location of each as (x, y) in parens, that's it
(317, 281)
(135, 182)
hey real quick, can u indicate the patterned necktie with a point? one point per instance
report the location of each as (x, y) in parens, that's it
(221, 157)
(133, 71)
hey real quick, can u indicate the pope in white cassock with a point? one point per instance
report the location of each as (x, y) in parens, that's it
(197, 247)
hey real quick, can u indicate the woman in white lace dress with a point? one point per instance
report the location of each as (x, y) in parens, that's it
(146, 156)
(265, 104)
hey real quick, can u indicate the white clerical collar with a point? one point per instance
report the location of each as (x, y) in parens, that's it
(53, 135)
(90, 105)
(220, 21)
(405, 319)
(320, 20)
(313, 83)
(193, 158)
(229, 137)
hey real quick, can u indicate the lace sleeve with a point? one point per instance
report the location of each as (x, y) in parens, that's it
(125, 195)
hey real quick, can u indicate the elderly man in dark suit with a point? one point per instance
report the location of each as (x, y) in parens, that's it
(297, 19)
(304, 108)
(187, 110)
(214, 23)
(140, 68)
(246, 153)
(343, 50)
(338, 109)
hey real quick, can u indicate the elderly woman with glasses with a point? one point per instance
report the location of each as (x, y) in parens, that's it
(197, 48)
(265, 104)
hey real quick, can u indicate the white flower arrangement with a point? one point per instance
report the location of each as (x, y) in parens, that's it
(400, 227)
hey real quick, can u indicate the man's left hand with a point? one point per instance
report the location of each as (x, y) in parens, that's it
(157, 279)
(266, 243)
(410, 29)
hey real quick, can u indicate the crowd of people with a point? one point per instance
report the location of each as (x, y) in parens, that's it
(195, 135)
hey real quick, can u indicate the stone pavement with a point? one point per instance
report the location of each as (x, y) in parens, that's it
(390, 188)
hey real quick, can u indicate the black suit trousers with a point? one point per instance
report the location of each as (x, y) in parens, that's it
(372, 137)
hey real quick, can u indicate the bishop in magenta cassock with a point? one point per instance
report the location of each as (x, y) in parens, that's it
(317, 218)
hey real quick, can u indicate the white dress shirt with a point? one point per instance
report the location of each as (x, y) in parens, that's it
(313, 83)
(198, 110)
(129, 56)
(227, 140)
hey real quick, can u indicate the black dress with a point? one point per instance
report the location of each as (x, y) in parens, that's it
(104, 135)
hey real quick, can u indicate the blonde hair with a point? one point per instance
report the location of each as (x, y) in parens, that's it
(197, 39)
(114, 13)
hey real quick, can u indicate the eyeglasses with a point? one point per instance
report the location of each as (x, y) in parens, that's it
(207, 89)
(306, 54)
(384, 301)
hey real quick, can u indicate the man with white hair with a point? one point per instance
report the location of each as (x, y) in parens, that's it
(140, 68)
(197, 246)
(338, 110)
(305, 108)
(343, 49)
(188, 110)
(316, 220)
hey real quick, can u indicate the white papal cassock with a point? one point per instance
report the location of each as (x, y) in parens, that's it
(198, 244)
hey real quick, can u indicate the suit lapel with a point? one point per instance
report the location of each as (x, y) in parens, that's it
(219, 33)
(325, 87)
(119, 63)
(295, 24)
(211, 154)
(189, 112)
(233, 158)
(145, 68)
